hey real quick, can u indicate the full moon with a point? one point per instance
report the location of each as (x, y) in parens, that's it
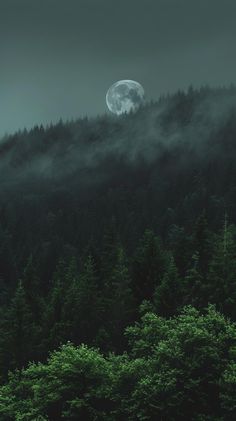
(124, 96)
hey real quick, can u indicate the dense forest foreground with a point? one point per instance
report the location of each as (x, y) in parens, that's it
(118, 265)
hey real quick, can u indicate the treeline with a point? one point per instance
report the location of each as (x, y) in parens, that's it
(157, 168)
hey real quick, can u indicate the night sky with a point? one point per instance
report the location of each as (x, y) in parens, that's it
(59, 57)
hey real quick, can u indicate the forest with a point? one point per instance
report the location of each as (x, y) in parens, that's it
(118, 264)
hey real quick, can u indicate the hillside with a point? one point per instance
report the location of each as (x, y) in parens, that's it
(158, 167)
(117, 265)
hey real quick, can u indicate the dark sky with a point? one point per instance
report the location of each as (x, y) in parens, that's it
(59, 57)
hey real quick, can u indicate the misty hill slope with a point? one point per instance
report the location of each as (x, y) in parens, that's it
(157, 168)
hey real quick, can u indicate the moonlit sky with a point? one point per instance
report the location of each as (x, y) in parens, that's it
(59, 57)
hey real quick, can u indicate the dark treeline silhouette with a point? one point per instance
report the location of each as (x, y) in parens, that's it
(118, 235)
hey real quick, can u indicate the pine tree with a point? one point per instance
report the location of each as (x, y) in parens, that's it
(168, 296)
(147, 266)
(221, 277)
(7, 263)
(195, 289)
(60, 272)
(84, 297)
(201, 242)
(20, 336)
(69, 292)
(71, 272)
(92, 250)
(119, 300)
(55, 329)
(31, 285)
(180, 244)
(54, 326)
(109, 251)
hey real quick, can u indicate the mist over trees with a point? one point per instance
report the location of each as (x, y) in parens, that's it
(118, 265)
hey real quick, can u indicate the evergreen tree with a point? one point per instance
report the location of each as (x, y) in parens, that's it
(69, 292)
(20, 336)
(201, 242)
(59, 274)
(54, 323)
(7, 261)
(109, 251)
(118, 300)
(31, 284)
(195, 288)
(168, 296)
(71, 272)
(222, 271)
(84, 299)
(180, 244)
(147, 266)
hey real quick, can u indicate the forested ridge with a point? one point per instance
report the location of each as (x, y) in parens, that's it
(118, 265)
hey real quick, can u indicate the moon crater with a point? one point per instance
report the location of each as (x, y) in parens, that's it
(124, 96)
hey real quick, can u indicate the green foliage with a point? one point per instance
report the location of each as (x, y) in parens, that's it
(185, 359)
(228, 390)
(180, 368)
(73, 385)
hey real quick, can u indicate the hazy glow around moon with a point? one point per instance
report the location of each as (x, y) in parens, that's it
(124, 96)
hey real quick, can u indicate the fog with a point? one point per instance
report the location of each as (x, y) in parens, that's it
(183, 128)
